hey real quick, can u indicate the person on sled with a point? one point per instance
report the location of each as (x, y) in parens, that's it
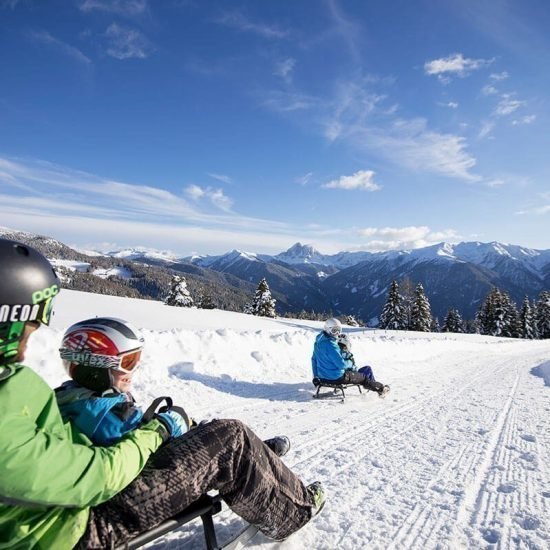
(101, 356)
(59, 490)
(330, 365)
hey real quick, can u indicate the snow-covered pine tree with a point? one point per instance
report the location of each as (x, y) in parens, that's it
(527, 327)
(487, 316)
(407, 293)
(205, 301)
(351, 321)
(542, 315)
(179, 293)
(510, 327)
(435, 325)
(498, 315)
(263, 304)
(393, 316)
(421, 315)
(453, 322)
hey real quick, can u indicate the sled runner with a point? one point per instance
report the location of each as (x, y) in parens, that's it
(206, 507)
(336, 387)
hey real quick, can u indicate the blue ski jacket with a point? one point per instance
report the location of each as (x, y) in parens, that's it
(327, 361)
(105, 418)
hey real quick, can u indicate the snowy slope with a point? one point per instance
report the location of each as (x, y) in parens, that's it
(457, 456)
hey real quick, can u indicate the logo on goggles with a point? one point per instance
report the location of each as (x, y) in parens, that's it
(16, 314)
(89, 359)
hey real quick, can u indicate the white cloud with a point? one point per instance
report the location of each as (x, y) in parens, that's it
(528, 119)
(220, 177)
(507, 105)
(455, 64)
(452, 105)
(284, 102)
(399, 238)
(362, 180)
(489, 89)
(124, 43)
(241, 22)
(284, 69)
(216, 196)
(46, 38)
(500, 76)
(120, 7)
(305, 179)
(412, 145)
(194, 191)
(487, 127)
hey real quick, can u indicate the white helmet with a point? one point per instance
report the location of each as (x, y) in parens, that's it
(344, 341)
(333, 327)
(93, 347)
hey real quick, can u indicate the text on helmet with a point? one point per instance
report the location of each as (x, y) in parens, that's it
(15, 314)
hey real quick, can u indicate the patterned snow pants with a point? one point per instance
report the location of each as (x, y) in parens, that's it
(223, 455)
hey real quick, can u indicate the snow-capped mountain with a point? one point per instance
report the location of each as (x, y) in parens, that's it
(453, 275)
(142, 254)
(302, 278)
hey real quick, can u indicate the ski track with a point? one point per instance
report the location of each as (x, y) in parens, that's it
(460, 462)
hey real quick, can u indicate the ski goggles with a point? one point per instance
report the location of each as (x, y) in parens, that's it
(127, 362)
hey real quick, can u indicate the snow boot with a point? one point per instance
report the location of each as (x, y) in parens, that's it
(280, 445)
(317, 492)
(382, 390)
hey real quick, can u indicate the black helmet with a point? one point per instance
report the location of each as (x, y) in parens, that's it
(28, 284)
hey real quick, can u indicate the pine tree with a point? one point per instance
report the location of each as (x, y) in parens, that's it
(453, 322)
(263, 304)
(421, 315)
(205, 301)
(408, 294)
(393, 316)
(179, 294)
(498, 315)
(527, 321)
(510, 327)
(351, 321)
(486, 317)
(542, 315)
(435, 325)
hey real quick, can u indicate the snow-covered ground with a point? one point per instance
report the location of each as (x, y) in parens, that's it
(456, 456)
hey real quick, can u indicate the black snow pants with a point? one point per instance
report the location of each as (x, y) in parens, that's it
(354, 377)
(223, 455)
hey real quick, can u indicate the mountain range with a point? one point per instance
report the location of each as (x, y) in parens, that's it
(356, 283)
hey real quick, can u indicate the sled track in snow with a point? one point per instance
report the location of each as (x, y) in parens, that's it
(445, 490)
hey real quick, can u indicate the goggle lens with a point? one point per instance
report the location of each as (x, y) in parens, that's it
(129, 361)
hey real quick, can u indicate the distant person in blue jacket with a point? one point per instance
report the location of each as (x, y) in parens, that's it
(330, 364)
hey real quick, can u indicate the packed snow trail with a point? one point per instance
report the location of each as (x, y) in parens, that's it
(456, 456)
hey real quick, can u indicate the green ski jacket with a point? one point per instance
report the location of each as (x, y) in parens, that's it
(50, 473)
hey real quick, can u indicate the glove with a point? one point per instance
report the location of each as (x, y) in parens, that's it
(175, 421)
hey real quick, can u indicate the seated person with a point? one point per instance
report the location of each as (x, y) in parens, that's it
(101, 356)
(329, 364)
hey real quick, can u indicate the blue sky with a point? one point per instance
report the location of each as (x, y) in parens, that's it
(203, 126)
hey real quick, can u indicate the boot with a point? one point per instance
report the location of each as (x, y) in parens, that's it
(280, 445)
